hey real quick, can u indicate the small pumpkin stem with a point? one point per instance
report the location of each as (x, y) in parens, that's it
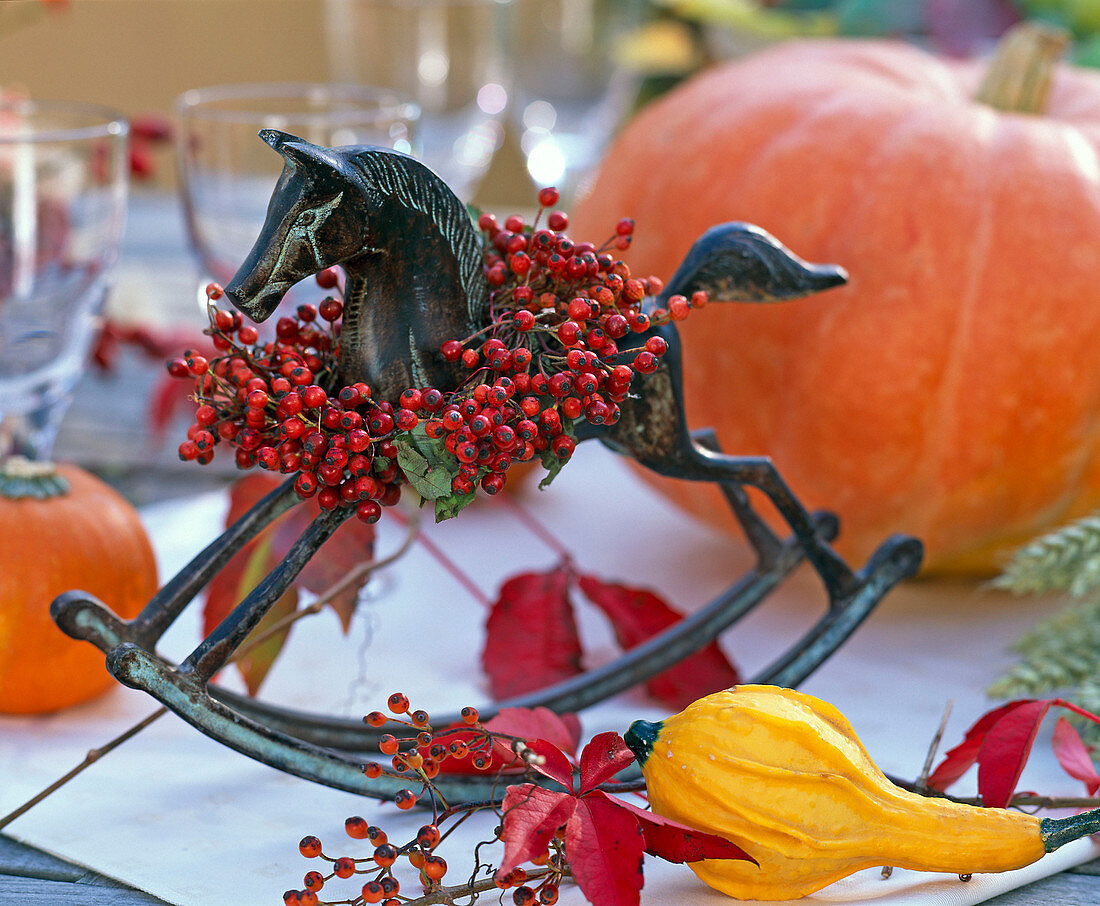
(21, 477)
(1019, 76)
(1057, 832)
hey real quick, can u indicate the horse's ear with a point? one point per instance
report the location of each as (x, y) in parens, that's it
(276, 139)
(296, 150)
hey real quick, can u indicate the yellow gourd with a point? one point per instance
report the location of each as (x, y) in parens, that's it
(783, 775)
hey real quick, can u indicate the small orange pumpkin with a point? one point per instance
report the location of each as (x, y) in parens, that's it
(62, 529)
(951, 390)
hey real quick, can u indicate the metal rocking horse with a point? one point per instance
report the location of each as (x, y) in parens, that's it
(413, 261)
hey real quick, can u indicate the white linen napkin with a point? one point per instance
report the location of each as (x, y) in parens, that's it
(183, 818)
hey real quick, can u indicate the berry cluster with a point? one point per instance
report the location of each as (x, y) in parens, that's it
(275, 403)
(548, 357)
(418, 754)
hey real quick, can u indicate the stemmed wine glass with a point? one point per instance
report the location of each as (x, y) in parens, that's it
(568, 92)
(227, 173)
(449, 56)
(63, 185)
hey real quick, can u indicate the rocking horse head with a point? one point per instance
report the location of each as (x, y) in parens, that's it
(409, 250)
(314, 220)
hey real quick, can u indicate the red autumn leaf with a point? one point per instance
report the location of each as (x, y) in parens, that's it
(605, 838)
(531, 635)
(351, 545)
(636, 616)
(676, 842)
(1005, 750)
(255, 660)
(605, 755)
(253, 561)
(1073, 755)
(1076, 709)
(1000, 741)
(555, 764)
(960, 759)
(605, 849)
(562, 730)
(228, 587)
(532, 816)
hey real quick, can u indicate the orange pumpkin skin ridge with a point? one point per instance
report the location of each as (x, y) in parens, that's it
(89, 539)
(949, 391)
(783, 775)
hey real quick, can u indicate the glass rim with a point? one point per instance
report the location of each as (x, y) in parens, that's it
(105, 122)
(197, 103)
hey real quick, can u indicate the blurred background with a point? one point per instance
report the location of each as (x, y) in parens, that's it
(139, 55)
(500, 96)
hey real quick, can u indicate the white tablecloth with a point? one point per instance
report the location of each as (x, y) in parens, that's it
(175, 814)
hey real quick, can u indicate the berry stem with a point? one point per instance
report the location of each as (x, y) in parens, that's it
(450, 895)
(91, 758)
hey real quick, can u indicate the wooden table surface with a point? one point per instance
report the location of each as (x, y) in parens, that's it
(156, 273)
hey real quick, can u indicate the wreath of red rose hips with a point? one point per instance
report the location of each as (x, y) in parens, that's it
(547, 358)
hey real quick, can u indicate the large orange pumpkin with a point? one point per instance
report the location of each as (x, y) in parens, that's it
(952, 389)
(62, 529)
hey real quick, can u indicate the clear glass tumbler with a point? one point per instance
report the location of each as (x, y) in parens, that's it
(63, 183)
(227, 173)
(450, 56)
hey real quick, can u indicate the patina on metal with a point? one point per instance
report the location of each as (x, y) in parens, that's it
(414, 279)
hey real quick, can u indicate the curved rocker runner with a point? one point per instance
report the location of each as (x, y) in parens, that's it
(417, 279)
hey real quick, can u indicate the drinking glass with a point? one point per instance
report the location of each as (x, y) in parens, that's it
(63, 182)
(568, 92)
(227, 173)
(450, 56)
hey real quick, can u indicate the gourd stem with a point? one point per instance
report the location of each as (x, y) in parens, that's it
(21, 477)
(1019, 76)
(1057, 832)
(640, 738)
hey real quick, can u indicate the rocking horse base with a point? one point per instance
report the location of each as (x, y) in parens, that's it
(331, 750)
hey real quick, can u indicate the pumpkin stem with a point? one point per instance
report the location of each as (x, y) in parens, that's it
(1019, 75)
(20, 477)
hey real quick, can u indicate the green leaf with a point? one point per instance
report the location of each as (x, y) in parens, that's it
(551, 461)
(448, 507)
(425, 469)
(553, 464)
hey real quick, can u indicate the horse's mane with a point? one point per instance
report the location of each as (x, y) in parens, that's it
(415, 186)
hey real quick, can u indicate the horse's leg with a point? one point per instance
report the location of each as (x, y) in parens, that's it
(652, 429)
(216, 649)
(83, 617)
(764, 541)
